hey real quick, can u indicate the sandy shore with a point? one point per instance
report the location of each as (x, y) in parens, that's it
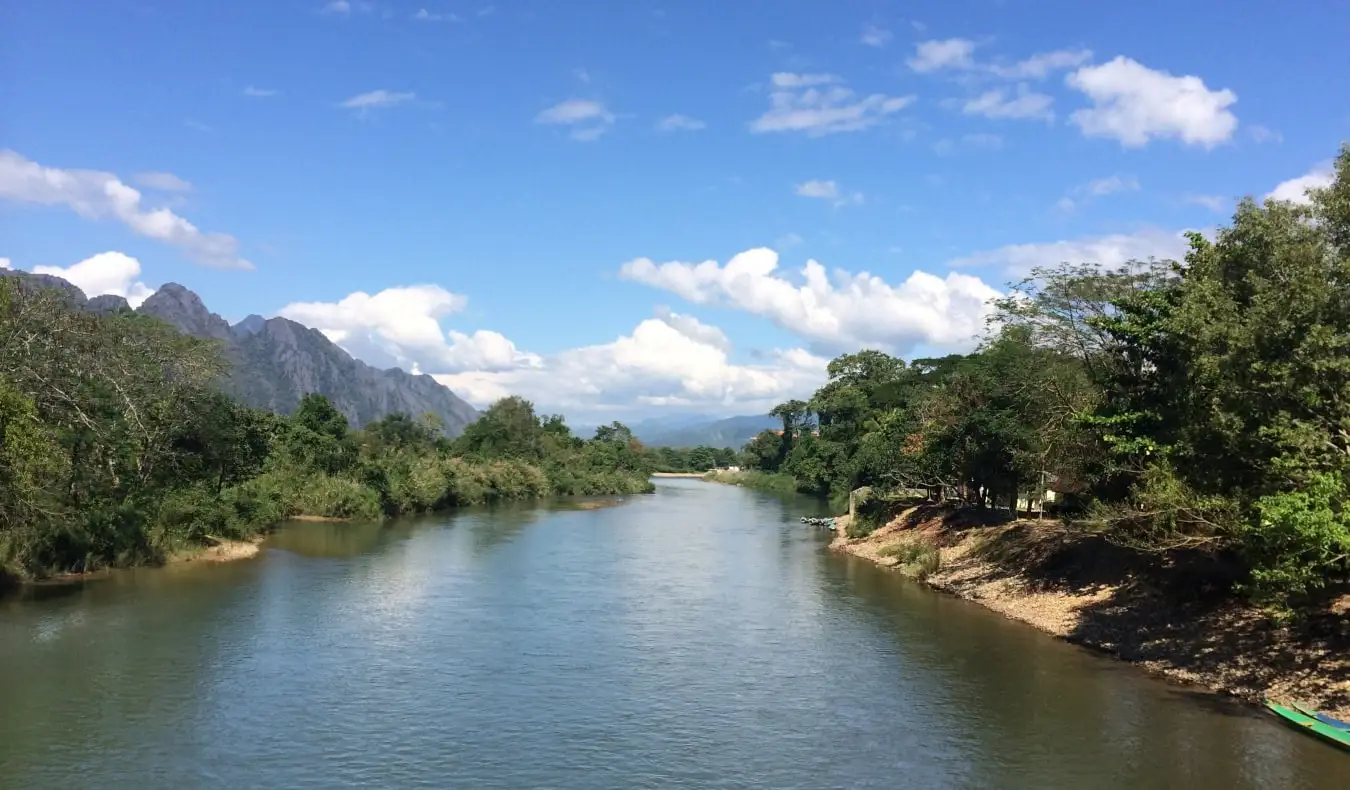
(221, 551)
(1099, 596)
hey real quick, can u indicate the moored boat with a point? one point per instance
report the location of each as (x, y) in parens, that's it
(1311, 725)
(1322, 717)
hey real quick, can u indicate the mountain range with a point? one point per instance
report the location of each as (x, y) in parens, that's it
(275, 361)
(731, 432)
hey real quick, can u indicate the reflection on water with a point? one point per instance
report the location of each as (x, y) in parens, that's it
(700, 637)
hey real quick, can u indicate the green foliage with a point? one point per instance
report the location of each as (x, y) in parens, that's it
(116, 448)
(1299, 539)
(1202, 405)
(760, 481)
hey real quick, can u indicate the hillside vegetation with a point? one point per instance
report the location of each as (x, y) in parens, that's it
(1200, 407)
(118, 446)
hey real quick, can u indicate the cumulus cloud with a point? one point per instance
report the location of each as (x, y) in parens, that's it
(820, 104)
(1295, 190)
(827, 190)
(424, 15)
(874, 36)
(1002, 103)
(363, 103)
(346, 7)
(6, 264)
(164, 182)
(111, 273)
(957, 54)
(1135, 104)
(408, 317)
(1016, 260)
(973, 141)
(1212, 202)
(671, 360)
(1097, 187)
(952, 53)
(1040, 65)
(589, 119)
(95, 194)
(679, 123)
(818, 189)
(836, 310)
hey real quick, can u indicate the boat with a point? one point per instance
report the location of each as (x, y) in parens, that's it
(1313, 726)
(1322, 717)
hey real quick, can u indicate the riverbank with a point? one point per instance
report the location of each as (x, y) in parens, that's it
(696, 475)
(1165, 617)
(753, 478)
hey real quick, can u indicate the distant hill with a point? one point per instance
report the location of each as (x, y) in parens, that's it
(731, 432)
(275, 361)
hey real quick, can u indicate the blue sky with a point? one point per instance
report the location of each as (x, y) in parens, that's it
(492, 175)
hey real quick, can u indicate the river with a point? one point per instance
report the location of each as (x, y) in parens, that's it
(698, 637)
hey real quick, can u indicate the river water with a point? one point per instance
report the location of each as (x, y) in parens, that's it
(699, 637)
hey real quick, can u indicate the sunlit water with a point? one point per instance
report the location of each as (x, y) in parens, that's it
(699, 637)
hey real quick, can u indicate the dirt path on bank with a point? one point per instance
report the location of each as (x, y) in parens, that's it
(1088, 592)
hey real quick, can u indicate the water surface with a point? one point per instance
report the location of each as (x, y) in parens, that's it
(699, 637)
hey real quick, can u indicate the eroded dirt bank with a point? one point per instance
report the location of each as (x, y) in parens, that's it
(1168, 617)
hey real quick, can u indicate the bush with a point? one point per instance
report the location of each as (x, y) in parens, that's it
(338, 497)
(1298, 539)
(917, 559)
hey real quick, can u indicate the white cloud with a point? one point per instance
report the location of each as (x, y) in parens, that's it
(6, 264)
(1040, 65)
(834, 311)
(377, 99)
(346, 7)
(827, 190)
(424, 15)
(1264, 134)
(1000, 103)
(1017, 260)
(818, 189)
(1110, 185)
(874, 36)
(1135, 104)
(977, 140)
(1295, 190)
(786, 79)
(95, 194)
(990, 142)
(164, 182)
(259, 93)
(952, 53)
(671, 360)
(589, 119)
(957, 54)
(677, 122)
(408, 317)
(1211, 202)
(1097, 187)
(820, 104)
(110, 273)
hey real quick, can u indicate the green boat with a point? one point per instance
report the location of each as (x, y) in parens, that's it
(1312, 726)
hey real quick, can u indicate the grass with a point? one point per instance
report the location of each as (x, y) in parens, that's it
(916, 558)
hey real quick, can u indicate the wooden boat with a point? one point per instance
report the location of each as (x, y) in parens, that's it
(1322, 717)
(1312, 726)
